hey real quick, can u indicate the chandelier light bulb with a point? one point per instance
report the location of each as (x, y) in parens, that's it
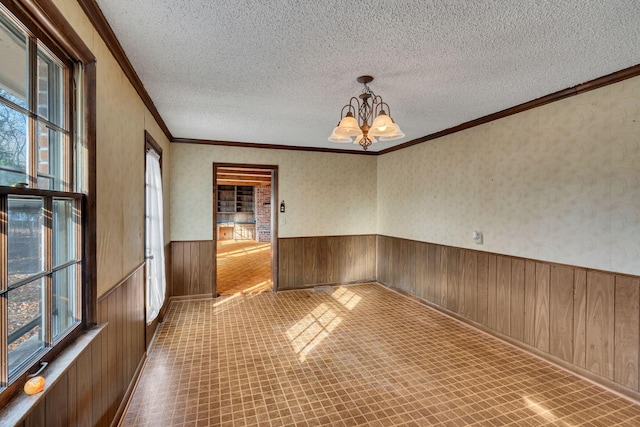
(348, 126)
(368, 104)
(336, 137)
(395, 133)
(381, 125)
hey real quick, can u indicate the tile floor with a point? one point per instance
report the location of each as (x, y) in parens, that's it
(244, 266)
(359, 355)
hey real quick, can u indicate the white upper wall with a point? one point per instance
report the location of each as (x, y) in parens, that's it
(558, 183)
(325, 193)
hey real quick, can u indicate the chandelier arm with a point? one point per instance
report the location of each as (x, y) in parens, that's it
(349, 107)
(377, 105)
(388, 109)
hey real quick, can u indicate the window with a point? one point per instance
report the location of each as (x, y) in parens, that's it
(155, 288)
(41, 215)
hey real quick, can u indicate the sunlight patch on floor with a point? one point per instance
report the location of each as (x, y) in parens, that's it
(311, 330)
(256, 288)
(545, 413)
(346, 298)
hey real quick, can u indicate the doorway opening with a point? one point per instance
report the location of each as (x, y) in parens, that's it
(244, 228)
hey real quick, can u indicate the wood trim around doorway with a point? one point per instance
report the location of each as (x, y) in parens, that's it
(274, 219)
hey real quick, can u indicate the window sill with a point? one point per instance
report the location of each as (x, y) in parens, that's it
(20, 406)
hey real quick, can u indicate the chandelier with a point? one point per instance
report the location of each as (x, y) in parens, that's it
(361, 130)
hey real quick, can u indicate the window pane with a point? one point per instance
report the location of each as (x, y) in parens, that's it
(51, 159)
(13, 146)
(13, 67)
(63, 232)
(50, 89)
(64, 301)
(25, 237)
(26, 327)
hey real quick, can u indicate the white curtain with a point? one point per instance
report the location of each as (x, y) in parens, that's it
(156, 281)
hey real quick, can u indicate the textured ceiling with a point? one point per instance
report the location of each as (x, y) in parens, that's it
(279, 71)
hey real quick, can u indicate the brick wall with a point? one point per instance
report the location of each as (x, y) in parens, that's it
(263, 213)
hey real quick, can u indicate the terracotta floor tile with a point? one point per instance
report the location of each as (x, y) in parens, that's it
(360, 355)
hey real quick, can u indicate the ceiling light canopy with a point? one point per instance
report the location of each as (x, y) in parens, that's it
(362, 130)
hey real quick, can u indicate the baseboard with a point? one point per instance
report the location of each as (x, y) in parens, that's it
(559, 363)
(354, 282)
(124, 404)
(198, 297)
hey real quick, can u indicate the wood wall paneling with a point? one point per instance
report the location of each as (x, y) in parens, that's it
(85, 390)
(308, 261)
(600, 323)
(492, 291)
(369, 246)
(441, 276)
(561, 312)
(422, 270)
(627, 310)
(483, 288)
(390, 256)
(516, 314)
(111, 353)
(192, 268)
(177, 266)
(503, 294)
(541, 338)
(381, 264)
(102, 417)
(588, 319)
(298, 262)
(357, 260)
(56, 405)
(117, 357)
(337, 259)
(396, 268)
(469, 264)
(529, 332)
(76, 397)
(72, 395)
(453, 279)
(407, 263)
(322, 267)
(36, 418)
(283, 263)
(432, 271)
(205, 267)
(580, 317)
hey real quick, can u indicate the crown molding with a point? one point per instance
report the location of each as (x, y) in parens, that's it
(269, 146)
(97, 18)
(599, 82)
(103, 28)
